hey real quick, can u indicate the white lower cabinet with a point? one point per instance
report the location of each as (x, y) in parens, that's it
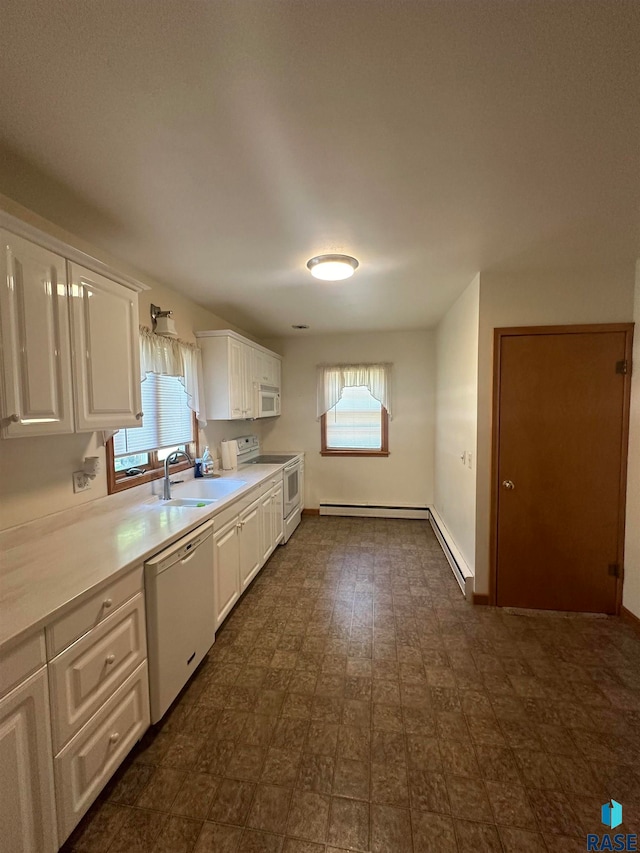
(226, 569)
(99, 692)
(244, 543)
(27, 804)
(89, 760)
(85, 675)
(250, 544)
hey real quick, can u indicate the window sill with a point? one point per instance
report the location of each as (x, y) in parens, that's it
(354, 453)
(123, 483)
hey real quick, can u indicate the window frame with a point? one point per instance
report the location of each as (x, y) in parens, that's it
(153, 470)
(348, 451)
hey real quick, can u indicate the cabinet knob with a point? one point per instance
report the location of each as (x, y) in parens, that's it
(139, 415)
(114, 737)
(110, 659)
(107, 603)
(14, 418)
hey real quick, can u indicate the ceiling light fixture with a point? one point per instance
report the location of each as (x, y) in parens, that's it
(332, 267)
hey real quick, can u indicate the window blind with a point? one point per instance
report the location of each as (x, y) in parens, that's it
(167, 419)
(355, 421)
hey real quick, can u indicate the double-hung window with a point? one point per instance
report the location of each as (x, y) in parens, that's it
(137, 455)
(353, 408)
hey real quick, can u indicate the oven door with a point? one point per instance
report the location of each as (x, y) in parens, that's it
(291, 484)
(268, 402)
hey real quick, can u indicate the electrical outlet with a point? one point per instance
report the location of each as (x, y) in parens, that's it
(81, 481)
(469, 458)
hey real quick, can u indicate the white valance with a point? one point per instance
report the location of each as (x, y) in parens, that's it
(334, 378)
(170, 357)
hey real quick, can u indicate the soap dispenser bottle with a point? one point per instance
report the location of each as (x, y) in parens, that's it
(207, 463)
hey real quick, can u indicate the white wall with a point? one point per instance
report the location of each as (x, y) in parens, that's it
(534, 300)
(631, 591)
(406, 476)
(35, 473)
(456, 420)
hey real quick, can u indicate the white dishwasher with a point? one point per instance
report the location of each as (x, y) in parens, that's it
(180, 614)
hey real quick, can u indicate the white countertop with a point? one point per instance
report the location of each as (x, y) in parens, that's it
(49, 565)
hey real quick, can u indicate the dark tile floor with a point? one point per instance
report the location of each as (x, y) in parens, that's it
(354, 700)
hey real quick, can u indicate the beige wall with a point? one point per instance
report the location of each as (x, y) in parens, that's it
(456, 420)
(35, 473)
(406, 476)
(533, 300)
(631, 592)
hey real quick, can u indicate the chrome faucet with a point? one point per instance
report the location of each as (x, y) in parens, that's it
(171, 458)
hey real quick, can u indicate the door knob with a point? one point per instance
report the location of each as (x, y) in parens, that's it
(508, 484)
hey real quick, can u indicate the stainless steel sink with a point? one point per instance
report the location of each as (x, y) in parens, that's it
(211, 489)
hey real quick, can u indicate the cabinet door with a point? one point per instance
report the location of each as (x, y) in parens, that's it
(106, 352)
(276, 509)
(236, 378)
(250, 544)
(266, 528)
(226, 559)
(247, 381)
(36, 346)
(27, 805)
(258, 370)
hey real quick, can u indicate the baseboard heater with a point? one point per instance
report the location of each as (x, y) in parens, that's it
(374, 510)
(461, 571)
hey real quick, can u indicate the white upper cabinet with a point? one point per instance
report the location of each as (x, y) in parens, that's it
(106, 354)
(265, 369)
(36, 355)
(69, 341)
(233, 369)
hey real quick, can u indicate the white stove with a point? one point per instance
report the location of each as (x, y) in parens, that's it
(248, 453)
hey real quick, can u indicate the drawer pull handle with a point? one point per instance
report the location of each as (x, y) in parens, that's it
(110, 659)
(139, 415)
(114, 738)
(107, 602)
(14, 418)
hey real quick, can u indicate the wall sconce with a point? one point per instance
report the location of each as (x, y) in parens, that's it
(163, 322)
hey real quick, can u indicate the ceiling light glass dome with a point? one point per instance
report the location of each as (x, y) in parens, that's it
(332, 267)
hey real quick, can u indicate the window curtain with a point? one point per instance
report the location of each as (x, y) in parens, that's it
(334, 378)
(170, 357)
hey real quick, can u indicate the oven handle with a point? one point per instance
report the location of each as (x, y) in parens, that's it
(291, 466)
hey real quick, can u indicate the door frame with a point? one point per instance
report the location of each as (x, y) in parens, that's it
(511, 331)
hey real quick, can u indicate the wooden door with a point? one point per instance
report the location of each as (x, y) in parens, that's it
(36, 346)
(106, 352)
(560, 432)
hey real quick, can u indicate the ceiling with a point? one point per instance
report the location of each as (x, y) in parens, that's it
(217, 146)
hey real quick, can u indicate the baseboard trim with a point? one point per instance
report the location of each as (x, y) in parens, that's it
(630, 617)
(374, 510)
(309, 511)
(461, 571)
(480, 598)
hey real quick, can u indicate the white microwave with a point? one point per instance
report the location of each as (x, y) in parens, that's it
(267, 401)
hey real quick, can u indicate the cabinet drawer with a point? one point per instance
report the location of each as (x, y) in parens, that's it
(90, 759)
(92, 612)
(21, 661)
(88, 672)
